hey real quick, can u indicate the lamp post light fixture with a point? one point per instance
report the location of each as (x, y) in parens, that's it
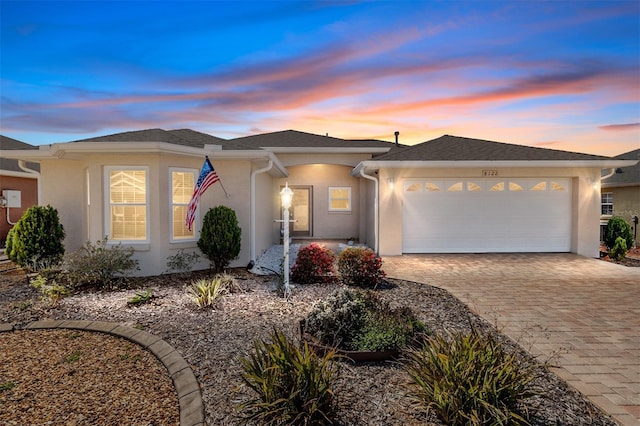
(285, 196)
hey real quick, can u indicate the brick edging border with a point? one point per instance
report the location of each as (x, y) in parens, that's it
(184, 381)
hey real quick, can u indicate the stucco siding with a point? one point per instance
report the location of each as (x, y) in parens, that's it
(325, 223)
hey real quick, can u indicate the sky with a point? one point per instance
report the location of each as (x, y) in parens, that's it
(555, 74)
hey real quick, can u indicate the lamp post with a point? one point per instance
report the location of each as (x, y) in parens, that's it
(286, 195)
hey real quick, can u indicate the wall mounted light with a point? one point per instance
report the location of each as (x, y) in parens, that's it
(391, 183)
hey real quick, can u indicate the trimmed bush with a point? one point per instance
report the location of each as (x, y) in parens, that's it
(35, 241)
(314, 264)
(471, 379)
(359, 320)
(293, 386)
(220, 237)
(619, 250)
(617, 227)
(101, 265)
(360, 267)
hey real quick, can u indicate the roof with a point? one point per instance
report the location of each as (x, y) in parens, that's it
(456, 148)
(185, 137)
(625, 176)
(298, 139)
(12, 165)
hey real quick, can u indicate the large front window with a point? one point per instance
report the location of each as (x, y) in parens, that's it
(182, 183)
(127, 203)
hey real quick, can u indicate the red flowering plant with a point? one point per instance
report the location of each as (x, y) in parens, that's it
(360, 267)
(314, 264)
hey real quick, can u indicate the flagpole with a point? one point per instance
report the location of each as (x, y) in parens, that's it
(219, 180)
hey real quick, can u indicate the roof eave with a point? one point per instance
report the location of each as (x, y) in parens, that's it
(325, 150)
(71, 151)
(400, 164)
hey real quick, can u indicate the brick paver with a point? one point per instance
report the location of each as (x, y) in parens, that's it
(583, 313)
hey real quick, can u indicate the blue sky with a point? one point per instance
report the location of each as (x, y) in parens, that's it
(555, 74)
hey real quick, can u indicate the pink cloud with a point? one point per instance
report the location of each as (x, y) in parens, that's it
(620, 127)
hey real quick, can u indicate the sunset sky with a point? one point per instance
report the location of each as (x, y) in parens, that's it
(563, 75)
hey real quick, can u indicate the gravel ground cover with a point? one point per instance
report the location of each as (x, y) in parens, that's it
(212, 340)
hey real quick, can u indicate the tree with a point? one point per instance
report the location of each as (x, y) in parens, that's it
(220, 237)
(36, 239)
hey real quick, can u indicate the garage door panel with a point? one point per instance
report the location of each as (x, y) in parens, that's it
(531, 218)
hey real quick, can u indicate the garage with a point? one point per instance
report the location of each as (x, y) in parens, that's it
(486, 215)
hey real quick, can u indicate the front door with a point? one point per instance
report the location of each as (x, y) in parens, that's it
(300, 211)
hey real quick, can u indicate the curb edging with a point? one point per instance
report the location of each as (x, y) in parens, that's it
(184, 381)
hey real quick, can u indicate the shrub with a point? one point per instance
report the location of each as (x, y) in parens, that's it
(359, 320)
(101, 265)
(313, 264)
(220, 237)
(35, 241)
(471, 379)
(293, 386)
(206, 292)
(618, 227)
(182, 262)
(52, 293)
(619, 250)
(360, 267)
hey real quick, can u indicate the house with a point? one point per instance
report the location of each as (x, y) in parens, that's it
(620, 193)
(18, 186)
(451, 194)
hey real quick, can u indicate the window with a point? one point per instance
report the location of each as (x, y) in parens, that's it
(606, 203)
(497, 187)
(182, 184)
(127, 201)
(555, 186)
(473, 187)
(412, 187)
(455, 187)
(432, 187)
(339, 198)
(540, 186)
(515, 187)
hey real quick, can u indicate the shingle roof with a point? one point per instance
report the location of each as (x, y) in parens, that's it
(629, 175)
(12, 165)
(456, 148)
(298, 139)
(185, 137)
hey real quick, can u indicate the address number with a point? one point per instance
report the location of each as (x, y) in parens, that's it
(489, 173)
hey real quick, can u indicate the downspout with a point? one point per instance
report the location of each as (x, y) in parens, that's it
(254, 173)
(375, 209)
(23, 165)
(611, 173)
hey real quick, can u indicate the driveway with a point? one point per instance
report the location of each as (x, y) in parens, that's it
(583, 313)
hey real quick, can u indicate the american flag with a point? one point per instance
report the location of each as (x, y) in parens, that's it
(208, 177)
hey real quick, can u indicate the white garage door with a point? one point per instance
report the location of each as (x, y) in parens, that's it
(486, 215)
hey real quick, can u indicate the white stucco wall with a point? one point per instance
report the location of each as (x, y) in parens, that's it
(64, 187)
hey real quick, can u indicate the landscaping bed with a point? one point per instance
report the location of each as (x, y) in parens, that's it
(212, 340)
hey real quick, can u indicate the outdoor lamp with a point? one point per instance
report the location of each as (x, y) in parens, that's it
(286, 195)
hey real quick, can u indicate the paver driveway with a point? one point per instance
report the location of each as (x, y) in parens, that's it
(585, 312)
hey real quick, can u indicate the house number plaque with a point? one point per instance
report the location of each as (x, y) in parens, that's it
(489, 173)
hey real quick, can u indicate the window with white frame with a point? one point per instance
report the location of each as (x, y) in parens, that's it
(182, 184)
(339, 198)
(127, 203)
(606, 203)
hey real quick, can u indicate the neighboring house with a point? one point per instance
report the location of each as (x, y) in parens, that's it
(451, 194)
(620, 192)
(21, 179)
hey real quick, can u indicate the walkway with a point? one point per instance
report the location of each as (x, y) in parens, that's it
(584, 312)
